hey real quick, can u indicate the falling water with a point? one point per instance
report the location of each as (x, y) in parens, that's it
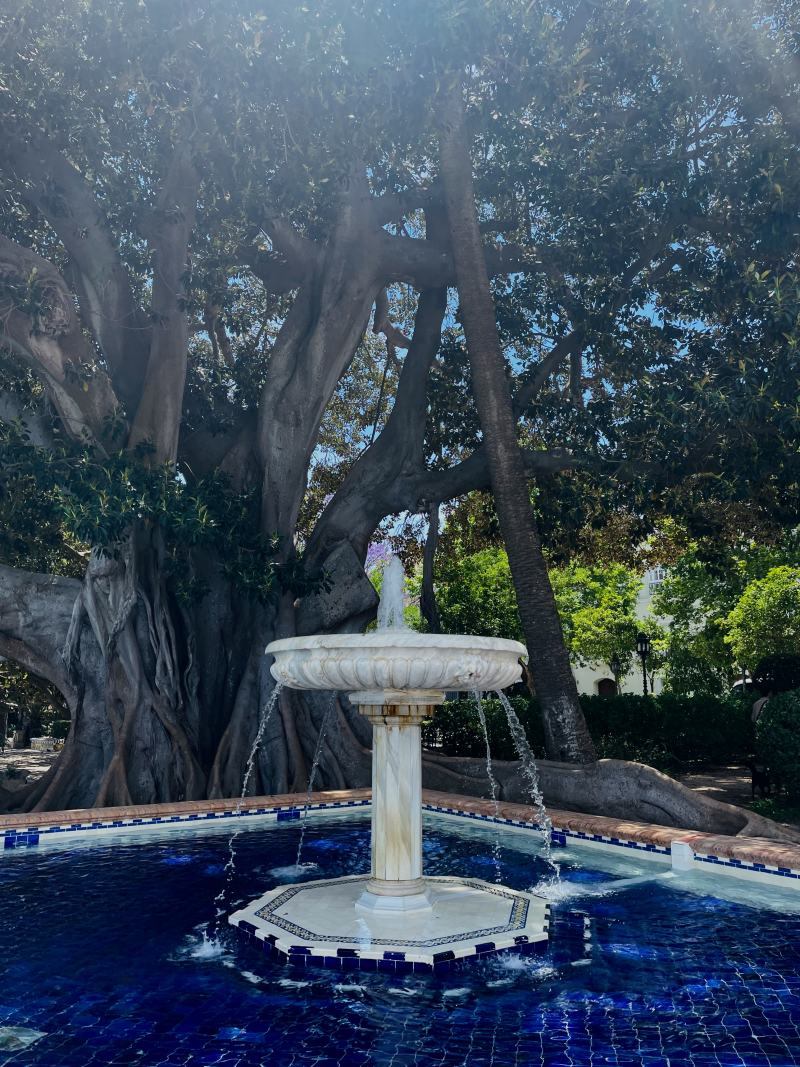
(390, 608)
(492, 785)
(530, 772)
(230, 867)
(311, 778)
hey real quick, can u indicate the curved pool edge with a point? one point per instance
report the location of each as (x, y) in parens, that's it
(757, 859)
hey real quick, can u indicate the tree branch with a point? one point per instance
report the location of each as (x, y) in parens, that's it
(39, 324)
(425, 265)
(158, 416)
(35, 614)
(473, 473)
(376, 485)
(65, 198)
(381, 323)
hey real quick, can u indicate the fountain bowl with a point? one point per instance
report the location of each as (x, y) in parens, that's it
(396, 661)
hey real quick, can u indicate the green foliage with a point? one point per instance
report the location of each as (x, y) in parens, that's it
(777, 673)
(596, 604)
(778, 741)
(766, 620)
(475, 595)
(704, 583)
(666, 731)
(700, 729)
(28, 702)
(56, 502)
(455, 728)
(777, 808)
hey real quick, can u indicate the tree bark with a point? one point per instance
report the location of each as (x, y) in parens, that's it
(566, 734)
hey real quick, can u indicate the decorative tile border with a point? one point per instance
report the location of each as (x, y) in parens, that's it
(25, 831)
(517, 920)
(754, 858)
(748, 857)
(394, 962)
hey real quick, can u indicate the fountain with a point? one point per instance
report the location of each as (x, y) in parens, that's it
(394, 915)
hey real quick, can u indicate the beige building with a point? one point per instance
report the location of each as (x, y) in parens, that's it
(596, 678)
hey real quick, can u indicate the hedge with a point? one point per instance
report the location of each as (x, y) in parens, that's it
(778, 741)
(665, 731)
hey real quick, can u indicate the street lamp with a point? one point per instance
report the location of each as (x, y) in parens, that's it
(615, 666)
(643, 650)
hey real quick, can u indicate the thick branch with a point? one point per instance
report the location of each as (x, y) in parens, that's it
(39, 324)
(379, 481)
(473, 472)
(425, 266)
(382, 323)
(66, 200)
(158, 416)
(35, 614)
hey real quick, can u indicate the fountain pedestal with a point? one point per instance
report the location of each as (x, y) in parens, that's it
(396, 884)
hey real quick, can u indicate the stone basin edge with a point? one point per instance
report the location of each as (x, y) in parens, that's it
(753, 851)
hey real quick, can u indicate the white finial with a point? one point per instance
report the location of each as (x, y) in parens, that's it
(392, 603)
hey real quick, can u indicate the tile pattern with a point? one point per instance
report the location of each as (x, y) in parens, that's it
(516, 921)
(664, 979)
(737, 855)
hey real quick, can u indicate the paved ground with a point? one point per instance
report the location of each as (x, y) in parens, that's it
(730, 784)
(31, 765)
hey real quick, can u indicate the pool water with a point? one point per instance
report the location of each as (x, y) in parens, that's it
(108, 948)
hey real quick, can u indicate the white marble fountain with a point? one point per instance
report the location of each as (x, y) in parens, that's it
(395, 914)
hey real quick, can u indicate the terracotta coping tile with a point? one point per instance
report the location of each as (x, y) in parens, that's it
(747, 849)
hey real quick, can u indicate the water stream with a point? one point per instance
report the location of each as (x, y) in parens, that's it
(312, 776)
(530, 772)
(230, 867)
(492, 786)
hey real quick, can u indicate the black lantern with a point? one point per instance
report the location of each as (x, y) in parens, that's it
(643, 650)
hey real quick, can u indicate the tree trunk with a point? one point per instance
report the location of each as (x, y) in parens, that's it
(567, 737)
(427, 605)
(166, 700)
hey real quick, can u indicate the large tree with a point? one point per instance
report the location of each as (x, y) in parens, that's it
(205, 205)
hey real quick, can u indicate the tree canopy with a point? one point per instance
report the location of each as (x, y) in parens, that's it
(223, 225)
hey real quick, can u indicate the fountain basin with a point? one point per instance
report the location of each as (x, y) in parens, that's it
(412, 667)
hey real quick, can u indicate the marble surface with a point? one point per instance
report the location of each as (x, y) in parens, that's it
(397, 803)
(464, 914)
(396, 659)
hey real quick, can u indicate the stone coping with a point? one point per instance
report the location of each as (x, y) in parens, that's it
(749, 850)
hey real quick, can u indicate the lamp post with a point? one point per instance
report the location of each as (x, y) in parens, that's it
(643, 650)
(615, 666)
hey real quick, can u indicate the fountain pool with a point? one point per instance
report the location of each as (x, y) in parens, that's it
(109, 955)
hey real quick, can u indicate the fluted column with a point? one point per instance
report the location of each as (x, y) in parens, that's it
(396, 882)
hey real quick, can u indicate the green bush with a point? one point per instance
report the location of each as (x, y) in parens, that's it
(778, 741)
(666, 731)
(59, 729)
(456, 730)
(697, 729)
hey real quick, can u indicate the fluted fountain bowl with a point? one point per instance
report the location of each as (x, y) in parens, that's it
(396, 660)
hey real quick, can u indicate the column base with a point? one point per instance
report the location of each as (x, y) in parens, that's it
(395, 896)
(322, 923)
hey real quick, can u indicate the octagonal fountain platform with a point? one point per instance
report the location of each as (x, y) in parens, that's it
(395, 914)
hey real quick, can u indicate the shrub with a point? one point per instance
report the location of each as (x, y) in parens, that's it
(778, 741)
(701, 729)
(666, 731)
(456, 730)
(59, 729)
